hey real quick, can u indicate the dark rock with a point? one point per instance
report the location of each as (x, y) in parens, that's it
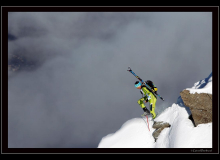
(159, 126)
(200, 106)
(11, 37)
(191, 118)
(17, 62)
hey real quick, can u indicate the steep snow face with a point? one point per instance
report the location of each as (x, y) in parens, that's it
(202, 86)
(182, 134)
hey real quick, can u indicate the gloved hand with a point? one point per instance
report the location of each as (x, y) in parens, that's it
(148, 98)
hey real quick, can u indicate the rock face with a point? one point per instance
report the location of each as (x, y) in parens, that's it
(159, 126)
(200, 106)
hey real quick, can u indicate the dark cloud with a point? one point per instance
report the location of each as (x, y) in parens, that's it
(80, 90)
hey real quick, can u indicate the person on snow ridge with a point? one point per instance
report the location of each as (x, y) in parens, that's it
(148, 97)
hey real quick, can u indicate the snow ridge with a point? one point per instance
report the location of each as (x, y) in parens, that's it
(182, 134)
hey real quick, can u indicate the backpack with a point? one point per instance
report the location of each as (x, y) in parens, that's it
(151, 85)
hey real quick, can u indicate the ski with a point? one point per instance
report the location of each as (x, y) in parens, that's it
(148, 87)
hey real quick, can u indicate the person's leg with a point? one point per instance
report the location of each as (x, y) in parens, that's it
(152, 103)
(141, 102)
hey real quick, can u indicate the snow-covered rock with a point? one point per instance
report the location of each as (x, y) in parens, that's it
(202, 86)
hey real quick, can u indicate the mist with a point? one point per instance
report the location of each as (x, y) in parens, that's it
(79, 89)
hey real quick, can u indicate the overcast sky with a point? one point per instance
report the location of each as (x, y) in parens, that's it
(80, 90)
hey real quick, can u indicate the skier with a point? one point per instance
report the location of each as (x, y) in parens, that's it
(148, 96)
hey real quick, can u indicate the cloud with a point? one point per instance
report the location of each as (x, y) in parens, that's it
(80, 90)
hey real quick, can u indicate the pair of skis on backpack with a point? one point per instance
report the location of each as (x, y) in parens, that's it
(148, 87)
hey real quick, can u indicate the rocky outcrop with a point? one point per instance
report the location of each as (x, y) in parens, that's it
(159, 126)
(200, 106)
(16, 63)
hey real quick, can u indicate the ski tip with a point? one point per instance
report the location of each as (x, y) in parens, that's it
(129, 68)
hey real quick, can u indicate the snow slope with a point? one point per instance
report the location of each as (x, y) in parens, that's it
(182, 134)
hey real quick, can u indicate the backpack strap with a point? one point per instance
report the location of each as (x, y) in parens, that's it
(143, 85)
